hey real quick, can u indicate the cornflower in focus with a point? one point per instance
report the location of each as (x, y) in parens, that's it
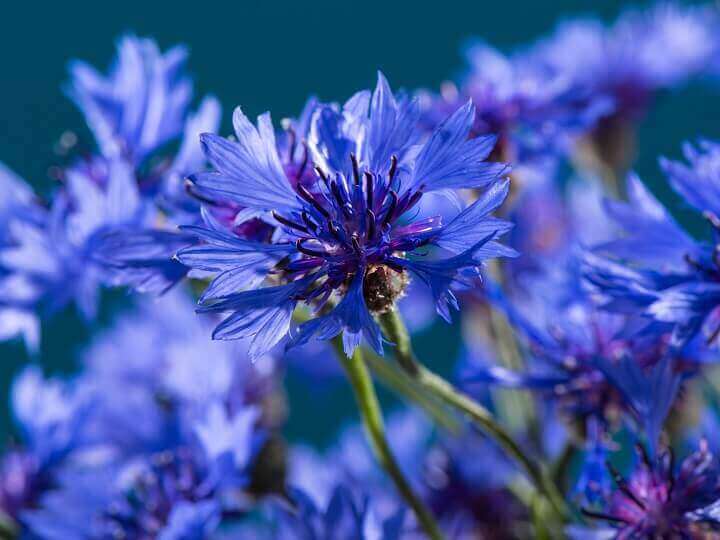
(351, 238)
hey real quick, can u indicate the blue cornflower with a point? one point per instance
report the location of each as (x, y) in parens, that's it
(50, 259)
(655, 268)
(659, 500)
(154, 373)
(533, 110)
(325, 487)
(19, 210)
(641, 53)
(114, 219)
(140, 105)
(50, 416)
(135, 112)
(630, 63)
(179, 491)
(346, 515)
(163, 420)
(593, 364)
(470, 495)
(350, 236)
(170, 494)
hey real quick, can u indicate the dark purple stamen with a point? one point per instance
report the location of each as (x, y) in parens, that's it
(414, 199)
(370, 224)
(393, 167)
(308, 251)
(290, 223)
(309, 222)
(623, 486)
(600, 515)
(292, 138)
(322, 174)
(335, 190)
(391, 209)
(305, 194)
(671, 469)
(355, 169)
(369, 189)
(304, 162)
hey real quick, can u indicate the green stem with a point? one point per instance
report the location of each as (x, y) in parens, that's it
(395, 330)
(516, 408)
(371, 415)
(395, 379)
(8, 527)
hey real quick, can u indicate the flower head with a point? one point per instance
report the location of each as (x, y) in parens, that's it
(534, 111)
(640, 54)
(654, 268)
(351, 236)
(141, 104)
(660, 501)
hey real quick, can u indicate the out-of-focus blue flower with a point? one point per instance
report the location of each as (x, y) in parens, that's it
(655, 268)
(593, 481)
(592, 363)
(155, 373)
(50, 416)
(350, 235)
(168, 423)
(346, 515)
(166, 495)
(351, 461)
(468, 494)
(534, 111)
(140, 105)
(641, 53)
(134, 112)
(114, 219)
(659, 500)
(49, 259)
(18, 209)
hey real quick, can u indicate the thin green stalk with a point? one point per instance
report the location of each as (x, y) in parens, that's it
(395, 330)
(516, 409)
(8, 527)
(395, 379)
(372, 419)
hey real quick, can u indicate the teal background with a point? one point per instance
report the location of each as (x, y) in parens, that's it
(271, 56)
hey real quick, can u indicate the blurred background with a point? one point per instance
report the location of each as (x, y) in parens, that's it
(271, 56)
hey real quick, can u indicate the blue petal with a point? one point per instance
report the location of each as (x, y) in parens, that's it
(698, 183)
(330, 145)
(249, 170)
(392, 127)
(651, 235)
(261, 314)
(442, 274)
(192, 521)
(475, 223)
(142, 259)
(650, 394)
(449, 160)
(351, 316)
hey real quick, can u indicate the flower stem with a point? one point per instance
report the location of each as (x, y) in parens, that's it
(396, 331)
(397, 381)
(372, 419)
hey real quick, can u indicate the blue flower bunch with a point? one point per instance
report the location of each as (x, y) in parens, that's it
(576, 392)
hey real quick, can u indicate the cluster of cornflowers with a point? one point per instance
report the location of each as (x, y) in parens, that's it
(583, 399)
